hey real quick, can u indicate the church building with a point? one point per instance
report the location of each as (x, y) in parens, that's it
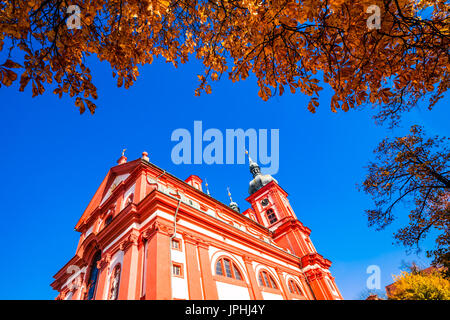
(148, 235)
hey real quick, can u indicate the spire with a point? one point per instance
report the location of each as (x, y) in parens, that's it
(206, 186)
(254, 167)
(122, 159)
(233, 205)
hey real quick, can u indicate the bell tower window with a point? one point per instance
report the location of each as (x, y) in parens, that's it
(271, 216)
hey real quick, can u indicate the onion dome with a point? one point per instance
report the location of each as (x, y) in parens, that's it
(233, 205)
(259, 179)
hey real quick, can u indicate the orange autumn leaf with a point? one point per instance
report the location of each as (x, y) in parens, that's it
(282, 43)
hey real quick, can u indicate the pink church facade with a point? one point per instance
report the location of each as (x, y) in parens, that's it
(147, 235)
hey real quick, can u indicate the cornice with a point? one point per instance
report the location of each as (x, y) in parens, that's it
(315, 258)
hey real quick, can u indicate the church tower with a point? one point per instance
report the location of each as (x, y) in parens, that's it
(148, 235)
(272, 209)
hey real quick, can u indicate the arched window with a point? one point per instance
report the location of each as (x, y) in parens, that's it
(115, 282)
(266, 280)
(294, 288)
(129, 199)
(226, 267)
(93, 276)
(108, 220)
(271, 216)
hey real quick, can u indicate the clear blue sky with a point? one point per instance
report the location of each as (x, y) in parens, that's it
(53, 160)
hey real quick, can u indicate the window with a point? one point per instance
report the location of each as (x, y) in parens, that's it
(129, 199)
(271, 216)
(266, 280)
(225, 267)
(294, 288)
(115, 282)
(108, 220)
(176, 244)
(177, 270)
(93, 276)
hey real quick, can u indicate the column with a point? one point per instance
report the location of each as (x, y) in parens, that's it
(284, 290)
(194, 275)
(209, 284)
(129, 274)
(103, 266)
(315, 279)
(158, 270)
(255, 291)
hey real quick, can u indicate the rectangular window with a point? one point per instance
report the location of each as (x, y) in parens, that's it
(177, 270)
(176, 244)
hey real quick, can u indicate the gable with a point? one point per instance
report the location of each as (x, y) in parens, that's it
(117, 180)
(113, 178)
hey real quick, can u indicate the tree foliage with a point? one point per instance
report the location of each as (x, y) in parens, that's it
(420, 286)
(414, 170)
(285, 44)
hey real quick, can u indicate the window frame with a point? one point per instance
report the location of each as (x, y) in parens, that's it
(178, 241)
(180, 266)
(272, 213)
(97, 257)
(233, 269)
(266, 280)
(295, 288)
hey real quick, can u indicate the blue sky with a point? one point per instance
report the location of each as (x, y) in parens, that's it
(53, 160)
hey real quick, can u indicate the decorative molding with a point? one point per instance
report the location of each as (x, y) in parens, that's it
(104, 261)
(315, 258)
(157, 227)
(315, 274)
(189, 238)
(132, 239)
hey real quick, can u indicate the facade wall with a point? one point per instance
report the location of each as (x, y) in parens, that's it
(139, 236)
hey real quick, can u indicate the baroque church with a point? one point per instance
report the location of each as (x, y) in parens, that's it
(148, 235)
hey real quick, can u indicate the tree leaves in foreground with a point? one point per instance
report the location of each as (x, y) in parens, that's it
(413, 170)
(285, 44)
(420, 286)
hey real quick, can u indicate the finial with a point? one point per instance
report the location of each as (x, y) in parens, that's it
(122, 159)
(229, 194)
(248, 155)
(145, 156)
(254, 167)
(233, 205)
(206, 185)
